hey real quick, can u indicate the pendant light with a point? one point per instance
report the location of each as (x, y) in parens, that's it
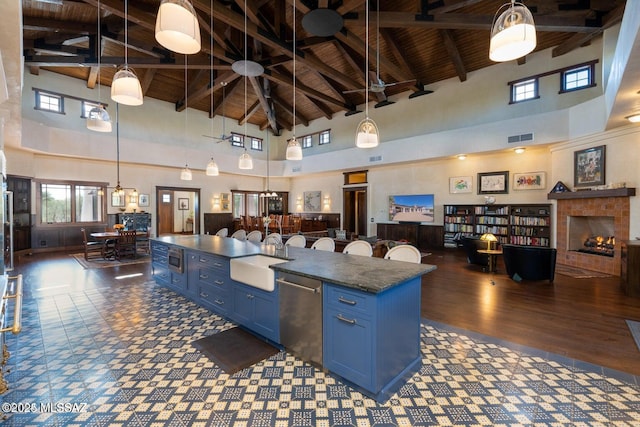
(177, 27)
(125, 87)
(212, 166)
(367, 135)
(294, 149)
(245, 161)
(98, 119)
(513, 32)
(185, 174)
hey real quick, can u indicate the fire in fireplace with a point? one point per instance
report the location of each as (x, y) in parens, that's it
(591, 234)
(599, 245)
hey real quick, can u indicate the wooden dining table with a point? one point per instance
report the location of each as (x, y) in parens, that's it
(111, 235)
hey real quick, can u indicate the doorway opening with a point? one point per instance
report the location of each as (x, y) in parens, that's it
(178, 210)
(354, 202)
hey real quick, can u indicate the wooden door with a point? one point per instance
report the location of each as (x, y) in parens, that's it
(165, 212)
(355, 210)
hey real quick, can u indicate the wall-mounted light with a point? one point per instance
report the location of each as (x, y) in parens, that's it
(299, 204)
(519, 150)
(634, 118)
(216, 203)
(462, 156)
(326, 204)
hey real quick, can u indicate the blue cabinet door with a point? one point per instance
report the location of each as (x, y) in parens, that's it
(242, 305)
(256, 310)
(348, 349)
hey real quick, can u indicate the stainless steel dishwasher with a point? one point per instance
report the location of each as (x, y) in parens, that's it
(301, 316)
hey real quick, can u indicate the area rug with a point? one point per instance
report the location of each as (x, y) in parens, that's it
(634, 327)
(234, 349)
(578, 273)
(104, 263)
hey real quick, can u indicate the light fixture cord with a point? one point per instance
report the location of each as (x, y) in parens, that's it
(99, 51)
(244, 139)
(366, 63)
(294, 69)
(211, 65)
(186, 111)
(118, 143)
(126, 33)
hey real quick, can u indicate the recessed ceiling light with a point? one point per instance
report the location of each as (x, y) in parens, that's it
(462, 156)
(519, 150)
(635, 118)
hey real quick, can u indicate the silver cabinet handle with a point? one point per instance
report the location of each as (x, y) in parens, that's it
(219, 302)
(219, 282)
(203, 295)
(249, 296)
(204, 276)
(346, 301)
(344, 319)
(295, 285)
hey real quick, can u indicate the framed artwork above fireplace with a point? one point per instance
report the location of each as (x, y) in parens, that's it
(589, 167)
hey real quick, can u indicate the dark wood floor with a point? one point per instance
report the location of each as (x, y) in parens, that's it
(582, 319)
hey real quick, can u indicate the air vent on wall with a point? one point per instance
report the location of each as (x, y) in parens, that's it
(375, 159)
(525, 137)
(296, 169)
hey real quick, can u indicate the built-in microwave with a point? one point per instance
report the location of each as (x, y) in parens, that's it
(175, 259)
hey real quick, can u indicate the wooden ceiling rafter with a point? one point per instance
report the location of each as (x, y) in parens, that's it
(454, 53)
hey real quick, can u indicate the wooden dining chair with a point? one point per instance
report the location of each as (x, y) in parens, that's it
(92, 249)
(126, 245)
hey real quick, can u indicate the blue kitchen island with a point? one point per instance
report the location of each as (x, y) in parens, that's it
(370, 307)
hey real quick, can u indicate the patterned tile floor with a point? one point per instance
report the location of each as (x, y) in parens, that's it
(122, 356)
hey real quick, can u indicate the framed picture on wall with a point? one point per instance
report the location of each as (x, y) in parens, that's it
(588, 167)
(183, 204)
(460, 184)
(143, 200)
(530, 181)
(493, 182)
(312, 201)
(225, 201)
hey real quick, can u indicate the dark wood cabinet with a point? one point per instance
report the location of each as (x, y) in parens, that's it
(135, 221)
(630, 267)
(21, 188)
(419, 235)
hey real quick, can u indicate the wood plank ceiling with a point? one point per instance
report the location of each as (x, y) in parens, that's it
(420, 41)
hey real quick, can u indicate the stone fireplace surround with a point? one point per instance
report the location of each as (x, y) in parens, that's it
(600, 203)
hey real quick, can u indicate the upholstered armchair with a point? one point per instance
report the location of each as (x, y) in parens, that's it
(529, 262)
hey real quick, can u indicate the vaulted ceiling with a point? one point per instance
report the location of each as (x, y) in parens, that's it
(414, 43)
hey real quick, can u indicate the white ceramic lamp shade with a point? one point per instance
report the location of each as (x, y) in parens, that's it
(177, 27)
(513, 34)
(125, 87)
(186, 174)
(245, 161)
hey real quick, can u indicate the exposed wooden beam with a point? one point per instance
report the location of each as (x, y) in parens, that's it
(454, 54)
(93, 77)
(147, 79)
(206, 90)
(312, 93)
(461, 21)
(257, 88)
(250, 112)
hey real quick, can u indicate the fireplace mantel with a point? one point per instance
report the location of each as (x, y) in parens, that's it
(591, 194)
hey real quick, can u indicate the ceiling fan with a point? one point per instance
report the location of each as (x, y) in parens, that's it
(224, 136)
(377, 85)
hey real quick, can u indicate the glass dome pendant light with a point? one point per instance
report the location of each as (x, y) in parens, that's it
(294, 149)
(125, 87)
(212, 166)
(513, 33)
(245, 161)
(98, 119)
(177, 27)
(185, 174)
(367, 135)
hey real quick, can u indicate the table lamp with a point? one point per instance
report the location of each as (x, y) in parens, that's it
(489, 238)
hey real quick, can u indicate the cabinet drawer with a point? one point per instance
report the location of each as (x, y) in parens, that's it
(159, 248)
(342, 298)
(212, 261)
(214, 298)
(213, 277)
(161, 274)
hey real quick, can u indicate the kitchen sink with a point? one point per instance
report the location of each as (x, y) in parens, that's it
(254, 271)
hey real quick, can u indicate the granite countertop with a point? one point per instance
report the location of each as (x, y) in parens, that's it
(368, 274)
